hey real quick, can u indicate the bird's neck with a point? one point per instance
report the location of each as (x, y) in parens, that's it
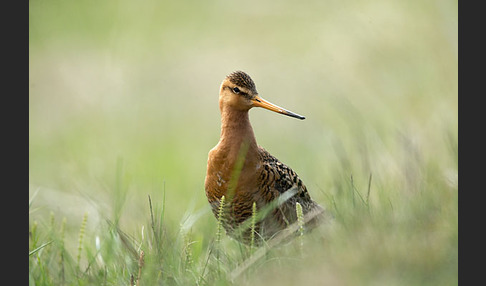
(236, 130)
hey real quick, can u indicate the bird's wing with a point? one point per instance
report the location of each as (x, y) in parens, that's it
(277, 178)
(279, 182)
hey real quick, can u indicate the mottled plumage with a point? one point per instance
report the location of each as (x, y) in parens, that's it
(244, 172)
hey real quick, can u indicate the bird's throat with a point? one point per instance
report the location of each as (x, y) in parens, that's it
(236, 129)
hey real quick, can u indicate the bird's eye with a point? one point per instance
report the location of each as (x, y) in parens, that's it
(236, 90)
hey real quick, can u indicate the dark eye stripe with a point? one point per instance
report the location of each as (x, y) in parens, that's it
(238, 91)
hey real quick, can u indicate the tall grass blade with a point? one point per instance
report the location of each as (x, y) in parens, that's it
(31, 200)
(40, 247)
(300, 223)
(219, 229)
(253, 225)
(369, 189)
(81, 237)
(235, 175)
(141, 262)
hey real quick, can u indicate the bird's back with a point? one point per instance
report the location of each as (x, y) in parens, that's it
(279, 182)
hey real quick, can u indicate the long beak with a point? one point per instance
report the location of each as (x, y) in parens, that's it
(260, 102)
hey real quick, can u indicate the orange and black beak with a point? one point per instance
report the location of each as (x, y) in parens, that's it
(260, 102)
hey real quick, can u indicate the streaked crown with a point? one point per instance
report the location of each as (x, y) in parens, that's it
(242, 79)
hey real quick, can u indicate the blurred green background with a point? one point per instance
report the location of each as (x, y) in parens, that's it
(123, 99)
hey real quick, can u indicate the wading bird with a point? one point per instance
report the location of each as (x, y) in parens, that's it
(245, 173)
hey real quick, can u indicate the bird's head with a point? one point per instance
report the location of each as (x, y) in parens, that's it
(238, 91)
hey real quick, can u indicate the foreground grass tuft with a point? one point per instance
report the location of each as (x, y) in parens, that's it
(410, 238)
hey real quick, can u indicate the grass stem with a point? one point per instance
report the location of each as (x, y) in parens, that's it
(81, 237)
(253, 226)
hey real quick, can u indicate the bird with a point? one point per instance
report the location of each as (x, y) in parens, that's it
(245, 174)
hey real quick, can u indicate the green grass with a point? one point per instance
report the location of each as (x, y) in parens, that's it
(123, 111)
(408, 239)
